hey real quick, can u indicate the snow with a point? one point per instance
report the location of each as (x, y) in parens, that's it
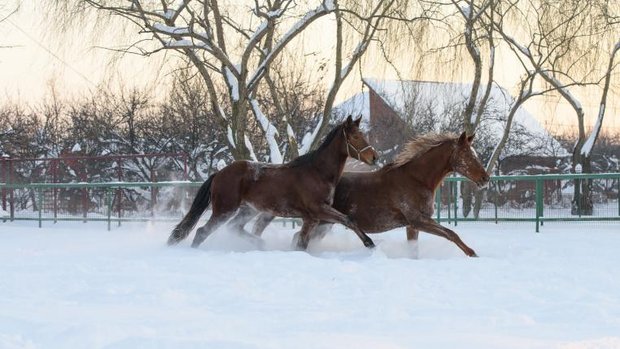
(76, 285)
(259, 31)
(562, 89)
(589, 143)
(465, 10)
(171, 30)
(229, 135)
(248, 145)
(185, 43)
(309, 137)
(76, 148)
(357, 105)
(290, 132)
(231, 80)
(270, 133)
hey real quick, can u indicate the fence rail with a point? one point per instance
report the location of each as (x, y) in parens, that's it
(537, 199)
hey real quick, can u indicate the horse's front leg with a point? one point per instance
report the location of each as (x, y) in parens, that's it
(430, 226)
(412, 233)
(331, 215)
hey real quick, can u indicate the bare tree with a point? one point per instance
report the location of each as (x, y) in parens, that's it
(233, 49)
(563, 43)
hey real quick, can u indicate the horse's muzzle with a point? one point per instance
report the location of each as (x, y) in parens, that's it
(483, 182)
(372, 158)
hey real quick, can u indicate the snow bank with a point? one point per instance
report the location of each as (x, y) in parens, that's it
(75, 285)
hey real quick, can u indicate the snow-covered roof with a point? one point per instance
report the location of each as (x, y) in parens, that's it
(441, 97)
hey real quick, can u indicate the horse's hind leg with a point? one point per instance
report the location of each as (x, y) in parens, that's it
(262, 222)
(212, 224)
(244, 215)
(317, 234)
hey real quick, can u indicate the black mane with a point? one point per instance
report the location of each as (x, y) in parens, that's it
(310, 156)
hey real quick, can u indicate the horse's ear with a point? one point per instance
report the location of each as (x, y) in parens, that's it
(349, 120)
(471, 138)
(463, 138)
(357, 121)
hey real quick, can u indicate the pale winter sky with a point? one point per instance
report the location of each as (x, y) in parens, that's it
(38, 58)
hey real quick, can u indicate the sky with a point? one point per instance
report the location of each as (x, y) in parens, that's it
(37, 57)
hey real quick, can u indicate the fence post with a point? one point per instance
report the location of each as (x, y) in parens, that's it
(456, 202)
(539, 203)
(496, 198)
(153, 193)
(119, 191)
(55, 195)
(11, 192)
(108, 202)
(449, 202)
(4, 178)
(40, 207)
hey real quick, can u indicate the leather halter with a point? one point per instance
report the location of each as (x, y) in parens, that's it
(349, 145)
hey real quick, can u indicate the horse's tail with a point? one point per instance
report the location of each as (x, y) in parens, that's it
(200, 204)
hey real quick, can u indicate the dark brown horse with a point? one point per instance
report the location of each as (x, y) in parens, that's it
(402, 193)
(302, 188)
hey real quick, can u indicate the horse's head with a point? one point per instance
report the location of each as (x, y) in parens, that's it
(464, 160)
(356, 144)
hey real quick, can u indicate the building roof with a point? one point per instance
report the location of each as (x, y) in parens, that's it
(441, 97)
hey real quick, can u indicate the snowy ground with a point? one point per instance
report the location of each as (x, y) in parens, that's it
(75, 285)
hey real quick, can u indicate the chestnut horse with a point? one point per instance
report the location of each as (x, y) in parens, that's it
(402, 193)
(302, 188)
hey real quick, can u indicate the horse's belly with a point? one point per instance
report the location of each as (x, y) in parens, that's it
(278, 208)
(373, 218)
(379, 223)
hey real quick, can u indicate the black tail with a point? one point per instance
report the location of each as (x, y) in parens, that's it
(200, 204)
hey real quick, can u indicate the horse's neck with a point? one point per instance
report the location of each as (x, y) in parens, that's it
(431, 167)
(330, 160)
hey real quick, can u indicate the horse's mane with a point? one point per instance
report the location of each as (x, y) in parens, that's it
(420, 145)
(310, 156)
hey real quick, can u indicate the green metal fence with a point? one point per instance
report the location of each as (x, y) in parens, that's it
(529, 198)
(536, 199)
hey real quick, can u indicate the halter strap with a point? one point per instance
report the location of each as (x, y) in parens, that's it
(357, 152)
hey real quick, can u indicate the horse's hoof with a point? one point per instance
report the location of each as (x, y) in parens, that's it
(369, 243)
(473, 254)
